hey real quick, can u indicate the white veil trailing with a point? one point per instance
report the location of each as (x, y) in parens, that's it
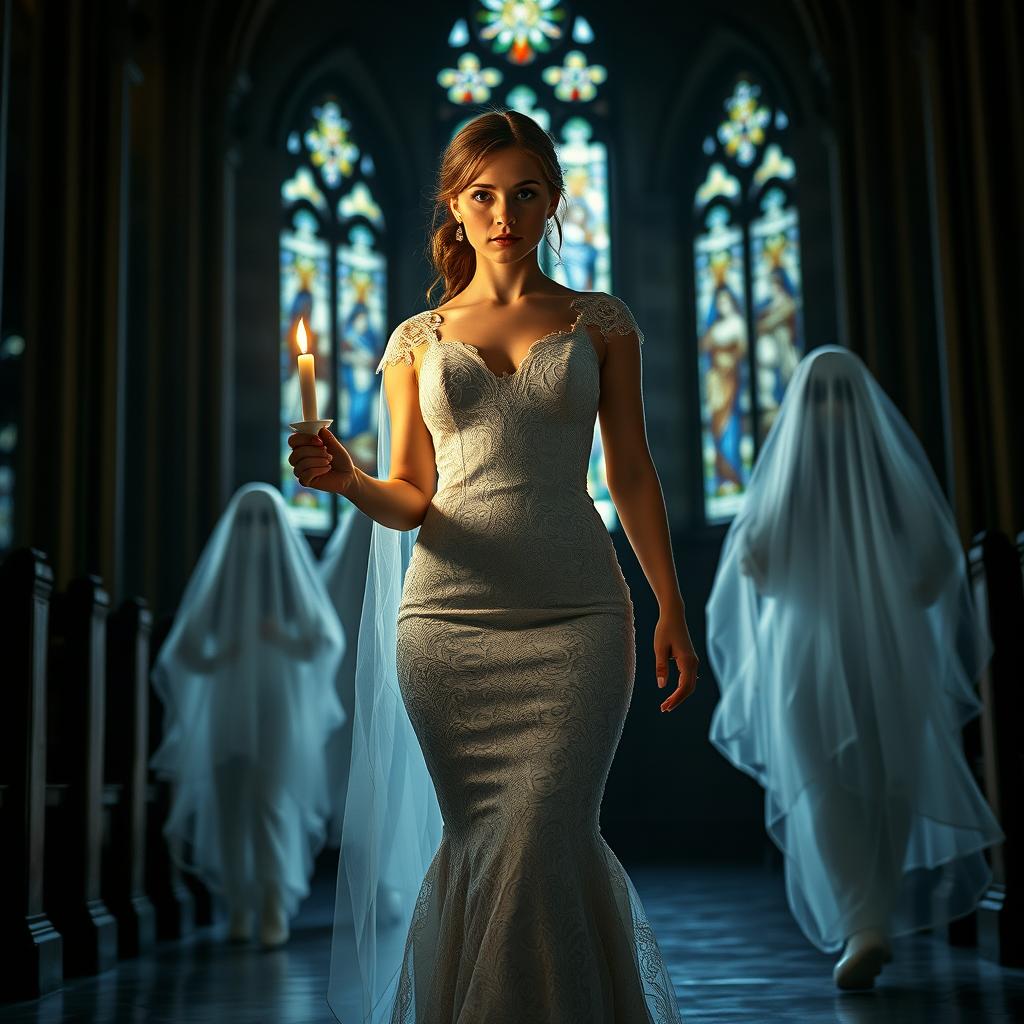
(392, 825)
(845, 643)
(343, 571)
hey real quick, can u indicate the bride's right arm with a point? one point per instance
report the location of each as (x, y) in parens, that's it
(401, 501)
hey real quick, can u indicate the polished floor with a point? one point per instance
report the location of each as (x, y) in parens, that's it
(734, 953)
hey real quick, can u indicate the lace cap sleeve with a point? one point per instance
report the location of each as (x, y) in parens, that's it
(610, 315)
(404, 338)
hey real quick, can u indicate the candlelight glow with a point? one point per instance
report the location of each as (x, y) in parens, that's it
(300, 334)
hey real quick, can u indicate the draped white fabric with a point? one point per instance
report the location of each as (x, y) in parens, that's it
(845, 643)
(343, 571)
(246, 677)
(392, 824)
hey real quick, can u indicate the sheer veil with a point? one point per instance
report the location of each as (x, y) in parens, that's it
(845, 642)
(392, 824)
(246, 676)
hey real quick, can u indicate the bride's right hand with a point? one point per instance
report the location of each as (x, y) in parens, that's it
(321, 462)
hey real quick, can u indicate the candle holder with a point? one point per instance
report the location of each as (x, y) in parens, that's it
(310, 426)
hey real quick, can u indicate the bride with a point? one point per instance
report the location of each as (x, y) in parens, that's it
(475, 884)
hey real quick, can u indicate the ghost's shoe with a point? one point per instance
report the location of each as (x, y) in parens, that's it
(862, 960)
(239, 925)
(273, 921)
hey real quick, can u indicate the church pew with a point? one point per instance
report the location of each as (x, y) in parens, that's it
(999, 597)
(75, 743)
(33, 948)
(127, 753)
(171, 899)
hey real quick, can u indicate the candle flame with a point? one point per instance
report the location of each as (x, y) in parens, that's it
(300, 334)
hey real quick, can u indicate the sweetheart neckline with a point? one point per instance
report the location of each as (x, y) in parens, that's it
(435, 318)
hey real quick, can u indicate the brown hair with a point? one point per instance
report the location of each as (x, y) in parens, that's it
(455, 262)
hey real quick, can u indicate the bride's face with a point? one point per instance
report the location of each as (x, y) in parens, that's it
(507, 195)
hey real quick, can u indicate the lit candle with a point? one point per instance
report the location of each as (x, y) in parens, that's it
(307, 377)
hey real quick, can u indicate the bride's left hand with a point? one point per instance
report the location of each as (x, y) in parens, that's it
(672, 642)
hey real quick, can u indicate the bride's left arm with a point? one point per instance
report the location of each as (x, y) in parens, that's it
(636, 490)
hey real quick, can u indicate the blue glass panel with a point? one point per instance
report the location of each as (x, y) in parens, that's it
(778, 302)
(727, 439)
(305, 294)
(362, 324)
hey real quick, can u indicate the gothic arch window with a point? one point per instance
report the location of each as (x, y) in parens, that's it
(333, 277)
(538, 58)
(747, 284)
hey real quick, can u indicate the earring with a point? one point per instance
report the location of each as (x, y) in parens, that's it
(458, 234)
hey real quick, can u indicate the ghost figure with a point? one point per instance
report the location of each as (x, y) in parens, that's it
(842, 634)
(246, 676)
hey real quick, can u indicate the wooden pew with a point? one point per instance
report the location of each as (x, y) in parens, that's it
(171, 899)
(127, 753)
(999, 596)
(75, 743)
(32, 947)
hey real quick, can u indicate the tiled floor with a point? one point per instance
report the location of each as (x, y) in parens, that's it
(734, 952)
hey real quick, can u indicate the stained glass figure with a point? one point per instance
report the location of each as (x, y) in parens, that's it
(775, 263)
(747, 284)
(362, 320)
(585, 263)
(722, 345)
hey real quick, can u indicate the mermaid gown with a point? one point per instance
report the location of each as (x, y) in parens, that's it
(516, 658)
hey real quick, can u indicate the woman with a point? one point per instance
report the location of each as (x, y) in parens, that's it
(724, 346)
(845, 643)
(514, 644)
(777, 353)
(246, 676)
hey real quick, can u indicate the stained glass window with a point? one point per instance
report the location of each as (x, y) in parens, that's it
(538, 59)
(747, 285)
(585, 258)
(333, 276)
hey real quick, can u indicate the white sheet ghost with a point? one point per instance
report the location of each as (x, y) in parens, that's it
(246, 676)
(845, 643)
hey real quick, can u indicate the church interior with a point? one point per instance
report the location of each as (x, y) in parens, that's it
(182, 183)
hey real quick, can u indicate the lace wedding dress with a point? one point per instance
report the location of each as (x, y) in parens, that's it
(516, 658)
